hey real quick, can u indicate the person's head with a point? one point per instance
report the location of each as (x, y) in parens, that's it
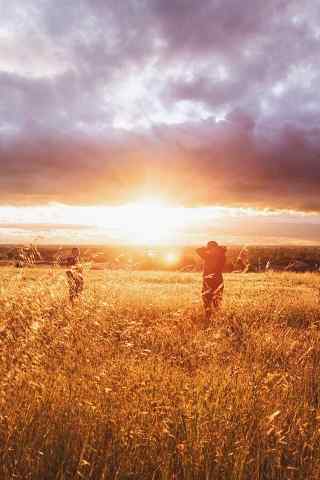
(75, 252)
(212, 245)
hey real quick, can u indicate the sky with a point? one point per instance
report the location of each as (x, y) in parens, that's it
(209, 109)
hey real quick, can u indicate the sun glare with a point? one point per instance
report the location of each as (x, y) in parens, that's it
(147, 222)
(171, 257)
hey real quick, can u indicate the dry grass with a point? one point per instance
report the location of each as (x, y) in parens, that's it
(127, 385)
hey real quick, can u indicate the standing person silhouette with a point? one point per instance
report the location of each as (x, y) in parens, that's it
(214, 257)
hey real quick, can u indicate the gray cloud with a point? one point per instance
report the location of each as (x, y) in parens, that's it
(72, 78)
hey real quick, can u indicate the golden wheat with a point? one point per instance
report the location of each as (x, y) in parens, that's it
(127, 384)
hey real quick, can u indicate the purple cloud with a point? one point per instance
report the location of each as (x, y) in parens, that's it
(103, 100)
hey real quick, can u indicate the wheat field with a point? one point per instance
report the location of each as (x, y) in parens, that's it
(127, 384)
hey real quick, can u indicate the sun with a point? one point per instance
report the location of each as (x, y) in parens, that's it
(147, 222)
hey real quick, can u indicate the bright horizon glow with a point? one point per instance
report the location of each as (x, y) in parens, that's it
(153, 221)
(149, 221)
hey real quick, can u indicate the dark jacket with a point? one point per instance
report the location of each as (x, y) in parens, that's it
(214, 260)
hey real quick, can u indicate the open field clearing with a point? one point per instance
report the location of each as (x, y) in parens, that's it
(128, 384)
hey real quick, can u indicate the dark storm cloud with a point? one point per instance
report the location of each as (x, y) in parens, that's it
(62, 69)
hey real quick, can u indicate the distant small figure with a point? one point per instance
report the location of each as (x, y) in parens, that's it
(214, 257)
(242, 264)
(74, 274)
(268, 266)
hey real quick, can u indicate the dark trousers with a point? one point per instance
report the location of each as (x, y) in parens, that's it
(212, 291)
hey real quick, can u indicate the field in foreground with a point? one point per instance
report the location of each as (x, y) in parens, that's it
(128, 385)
